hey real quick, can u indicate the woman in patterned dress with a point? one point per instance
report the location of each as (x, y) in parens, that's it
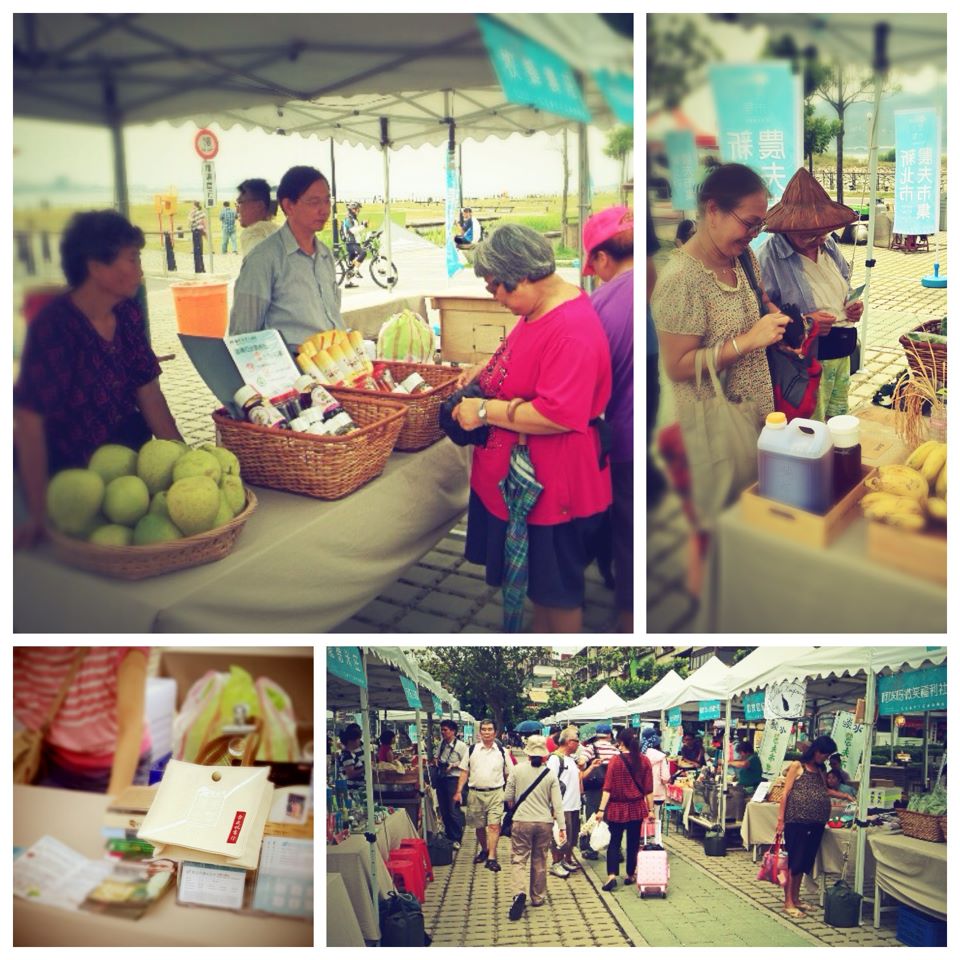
(704, 299)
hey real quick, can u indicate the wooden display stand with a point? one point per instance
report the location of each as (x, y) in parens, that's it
(801, 526)
(920, 553)
(471, 328)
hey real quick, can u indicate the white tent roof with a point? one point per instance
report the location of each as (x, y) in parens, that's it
(596, 707)
(706, 683)
(325, 74)
(656, 697)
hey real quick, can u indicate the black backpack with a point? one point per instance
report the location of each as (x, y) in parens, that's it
(563, 766)
(595, 778)
(440, 849)
(401, 921)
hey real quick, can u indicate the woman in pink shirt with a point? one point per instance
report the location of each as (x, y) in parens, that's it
(98, 741)
(550, 381)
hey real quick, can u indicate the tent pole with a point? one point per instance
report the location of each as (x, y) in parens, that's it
(333, 192)
(387, 229)
(864, 787)
(423, 805)
(722, 771)
(460, 177)
(926, 747)
(371, 832)
(583, 176)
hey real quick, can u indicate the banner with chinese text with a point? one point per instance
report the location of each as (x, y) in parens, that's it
(773, 746)
(913, 691)
(674, 717)
(347, 664)
(753, 705)
(684, 168)
(917, 182)
(849, 736)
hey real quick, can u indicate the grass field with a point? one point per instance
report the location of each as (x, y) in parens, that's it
(540, 213)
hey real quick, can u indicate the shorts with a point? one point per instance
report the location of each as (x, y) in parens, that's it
(484, 807)
(621, 477)
(557, 556)
(803, 842)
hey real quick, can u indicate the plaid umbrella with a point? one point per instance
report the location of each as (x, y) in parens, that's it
(520, 490)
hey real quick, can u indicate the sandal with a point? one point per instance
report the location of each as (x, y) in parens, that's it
(795, 912)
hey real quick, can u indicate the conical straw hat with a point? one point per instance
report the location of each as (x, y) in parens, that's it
(805, 206)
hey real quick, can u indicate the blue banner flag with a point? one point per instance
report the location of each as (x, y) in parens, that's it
(412, 732)
(684, 165)
(635, 720)
(760, 119)
(913, 691)
(916, 192)
(530, 73)
(437, 705)
(546, 729)
(673, 717)
(753, 705)
(709, 710)
(467, 731)
(411, 692)
(617, 90)
(455, 259)
(347, 664)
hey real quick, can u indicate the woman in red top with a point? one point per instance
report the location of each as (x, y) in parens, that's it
(385, 750)
(549, 381)
(626, 800)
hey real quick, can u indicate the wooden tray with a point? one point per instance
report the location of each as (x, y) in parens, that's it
(920, 553)
(801, 526)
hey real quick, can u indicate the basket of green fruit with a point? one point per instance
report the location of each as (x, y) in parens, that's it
(923, 816)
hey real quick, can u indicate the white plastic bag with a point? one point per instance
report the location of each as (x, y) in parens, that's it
(600, 837)
(556, 835)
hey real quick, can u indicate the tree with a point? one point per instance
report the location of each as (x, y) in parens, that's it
(677, 56)
(488, 681)
(619, 147)
(817, 133)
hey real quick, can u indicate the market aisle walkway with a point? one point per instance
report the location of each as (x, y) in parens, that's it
(467, 906)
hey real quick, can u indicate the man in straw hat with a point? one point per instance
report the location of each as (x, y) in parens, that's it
(802, 265)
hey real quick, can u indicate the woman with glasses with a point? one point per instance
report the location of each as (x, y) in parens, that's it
(549, 381)
(801, 264)
(703, 298)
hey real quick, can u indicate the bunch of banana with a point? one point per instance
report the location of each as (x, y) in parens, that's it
(930, 460)
(901, 480)
(898, 511)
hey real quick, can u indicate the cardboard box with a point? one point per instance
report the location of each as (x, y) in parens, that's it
(920, 553)
(801, 526)
(471, 328)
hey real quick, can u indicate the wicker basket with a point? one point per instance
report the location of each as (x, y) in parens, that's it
(927, 358)
(943, 826)
(421, 426)
(138, 563)
(327, 468)
(775, 793)
(921, 826)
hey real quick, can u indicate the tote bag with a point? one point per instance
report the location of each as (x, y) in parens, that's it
(720, 438)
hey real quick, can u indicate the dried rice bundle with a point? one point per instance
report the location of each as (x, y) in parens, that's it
(913, 391)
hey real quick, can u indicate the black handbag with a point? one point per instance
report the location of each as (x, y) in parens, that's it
(440, 849)
(401, 921)
(506, 824)
(461, 437)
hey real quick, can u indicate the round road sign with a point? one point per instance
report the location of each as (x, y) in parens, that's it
(206, 144)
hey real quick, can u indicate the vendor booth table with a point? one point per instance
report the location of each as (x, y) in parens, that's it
(753, 586)
(300, 564)
(75, 818)
(343, 930)
(913, 871)
(351, 861)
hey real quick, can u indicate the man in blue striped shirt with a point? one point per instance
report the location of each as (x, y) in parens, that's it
(228, 226)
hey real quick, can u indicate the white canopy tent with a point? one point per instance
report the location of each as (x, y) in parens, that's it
(702, 684)
(874, 39)
(602, 704)
(383, 79)
(652, 700)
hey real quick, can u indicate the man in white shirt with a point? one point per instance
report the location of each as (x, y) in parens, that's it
(485, 770)
(255, 211)
(564, 764)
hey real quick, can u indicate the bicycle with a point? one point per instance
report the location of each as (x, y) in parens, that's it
(383, 272)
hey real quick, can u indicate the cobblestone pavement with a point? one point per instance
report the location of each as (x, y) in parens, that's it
(467, 906)
(717, 901)
(898, 303)
(440, 594)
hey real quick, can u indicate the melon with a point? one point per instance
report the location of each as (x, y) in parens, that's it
(405, 336)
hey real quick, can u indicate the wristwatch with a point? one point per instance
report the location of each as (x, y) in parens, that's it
(482, 411)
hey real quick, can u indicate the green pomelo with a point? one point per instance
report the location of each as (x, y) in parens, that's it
(73, 500)
(126, 500)
(229, 464)
(155, 463)
(193, 503)
(232, 488)
(158, 504)
(154, 529)
(197, 463)
(113, 460)
(112, 535)
(225, 513)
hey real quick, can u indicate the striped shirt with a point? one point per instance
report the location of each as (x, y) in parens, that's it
(84, 732)
(228, 218)
(605, 749)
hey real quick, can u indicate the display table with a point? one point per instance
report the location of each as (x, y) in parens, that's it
(398, 826)
(74, 818)
(912, 871)
(351, 859)
(300, 564)
(343, 930)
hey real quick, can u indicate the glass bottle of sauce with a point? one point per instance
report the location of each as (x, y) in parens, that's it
(845, 433)
(256, 409)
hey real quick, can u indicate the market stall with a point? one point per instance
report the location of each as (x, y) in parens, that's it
(598, 706)
(857, 578)
(314, 562)
(913, 871)
(343, 930)
(40, 810)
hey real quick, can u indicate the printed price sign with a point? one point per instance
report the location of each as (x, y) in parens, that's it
(263, 360)
(347, 664)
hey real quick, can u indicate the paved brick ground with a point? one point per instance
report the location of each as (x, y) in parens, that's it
(898, 303)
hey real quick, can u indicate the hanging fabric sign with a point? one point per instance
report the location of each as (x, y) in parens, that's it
(347, 664)
(437, 706)
(617, 90)
(683, 163)
(913, 691)
(917, 182)
(753, 706)
(411, 692)
(709, 710)
(760, 119)
(849, 736)
(412, 732)
(773, 746)
(455, 259)
(635, 720)
(673, 717)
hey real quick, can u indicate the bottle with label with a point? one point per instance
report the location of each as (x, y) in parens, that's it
(286, 403)
(256, 409)
(355, 338)
(795, 463)
(330, 372)
(845, 433)
(347, 373)
(308, 367)
(323, 408)
(414, 383)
